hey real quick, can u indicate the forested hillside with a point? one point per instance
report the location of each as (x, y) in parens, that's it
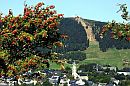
(78, 39)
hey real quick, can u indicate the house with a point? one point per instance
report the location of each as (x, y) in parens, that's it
(110, 68)
(115, 81)
(54, 79)
(125, 73)
(102, 84)
(83, 76)
(63, 80)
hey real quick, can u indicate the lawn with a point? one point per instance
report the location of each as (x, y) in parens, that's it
(112, 56)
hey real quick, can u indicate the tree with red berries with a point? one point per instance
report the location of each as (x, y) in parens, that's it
(118, 30)
(21, 35)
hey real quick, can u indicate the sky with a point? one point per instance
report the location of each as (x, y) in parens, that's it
(100, 10)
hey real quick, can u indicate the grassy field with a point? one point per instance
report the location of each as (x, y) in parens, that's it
(112, 56)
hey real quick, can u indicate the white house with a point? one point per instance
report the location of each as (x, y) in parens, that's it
(125, 73)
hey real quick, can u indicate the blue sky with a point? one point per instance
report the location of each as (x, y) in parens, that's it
(101, 10)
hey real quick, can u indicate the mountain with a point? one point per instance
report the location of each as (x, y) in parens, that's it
(77, 35)
(83, 31)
